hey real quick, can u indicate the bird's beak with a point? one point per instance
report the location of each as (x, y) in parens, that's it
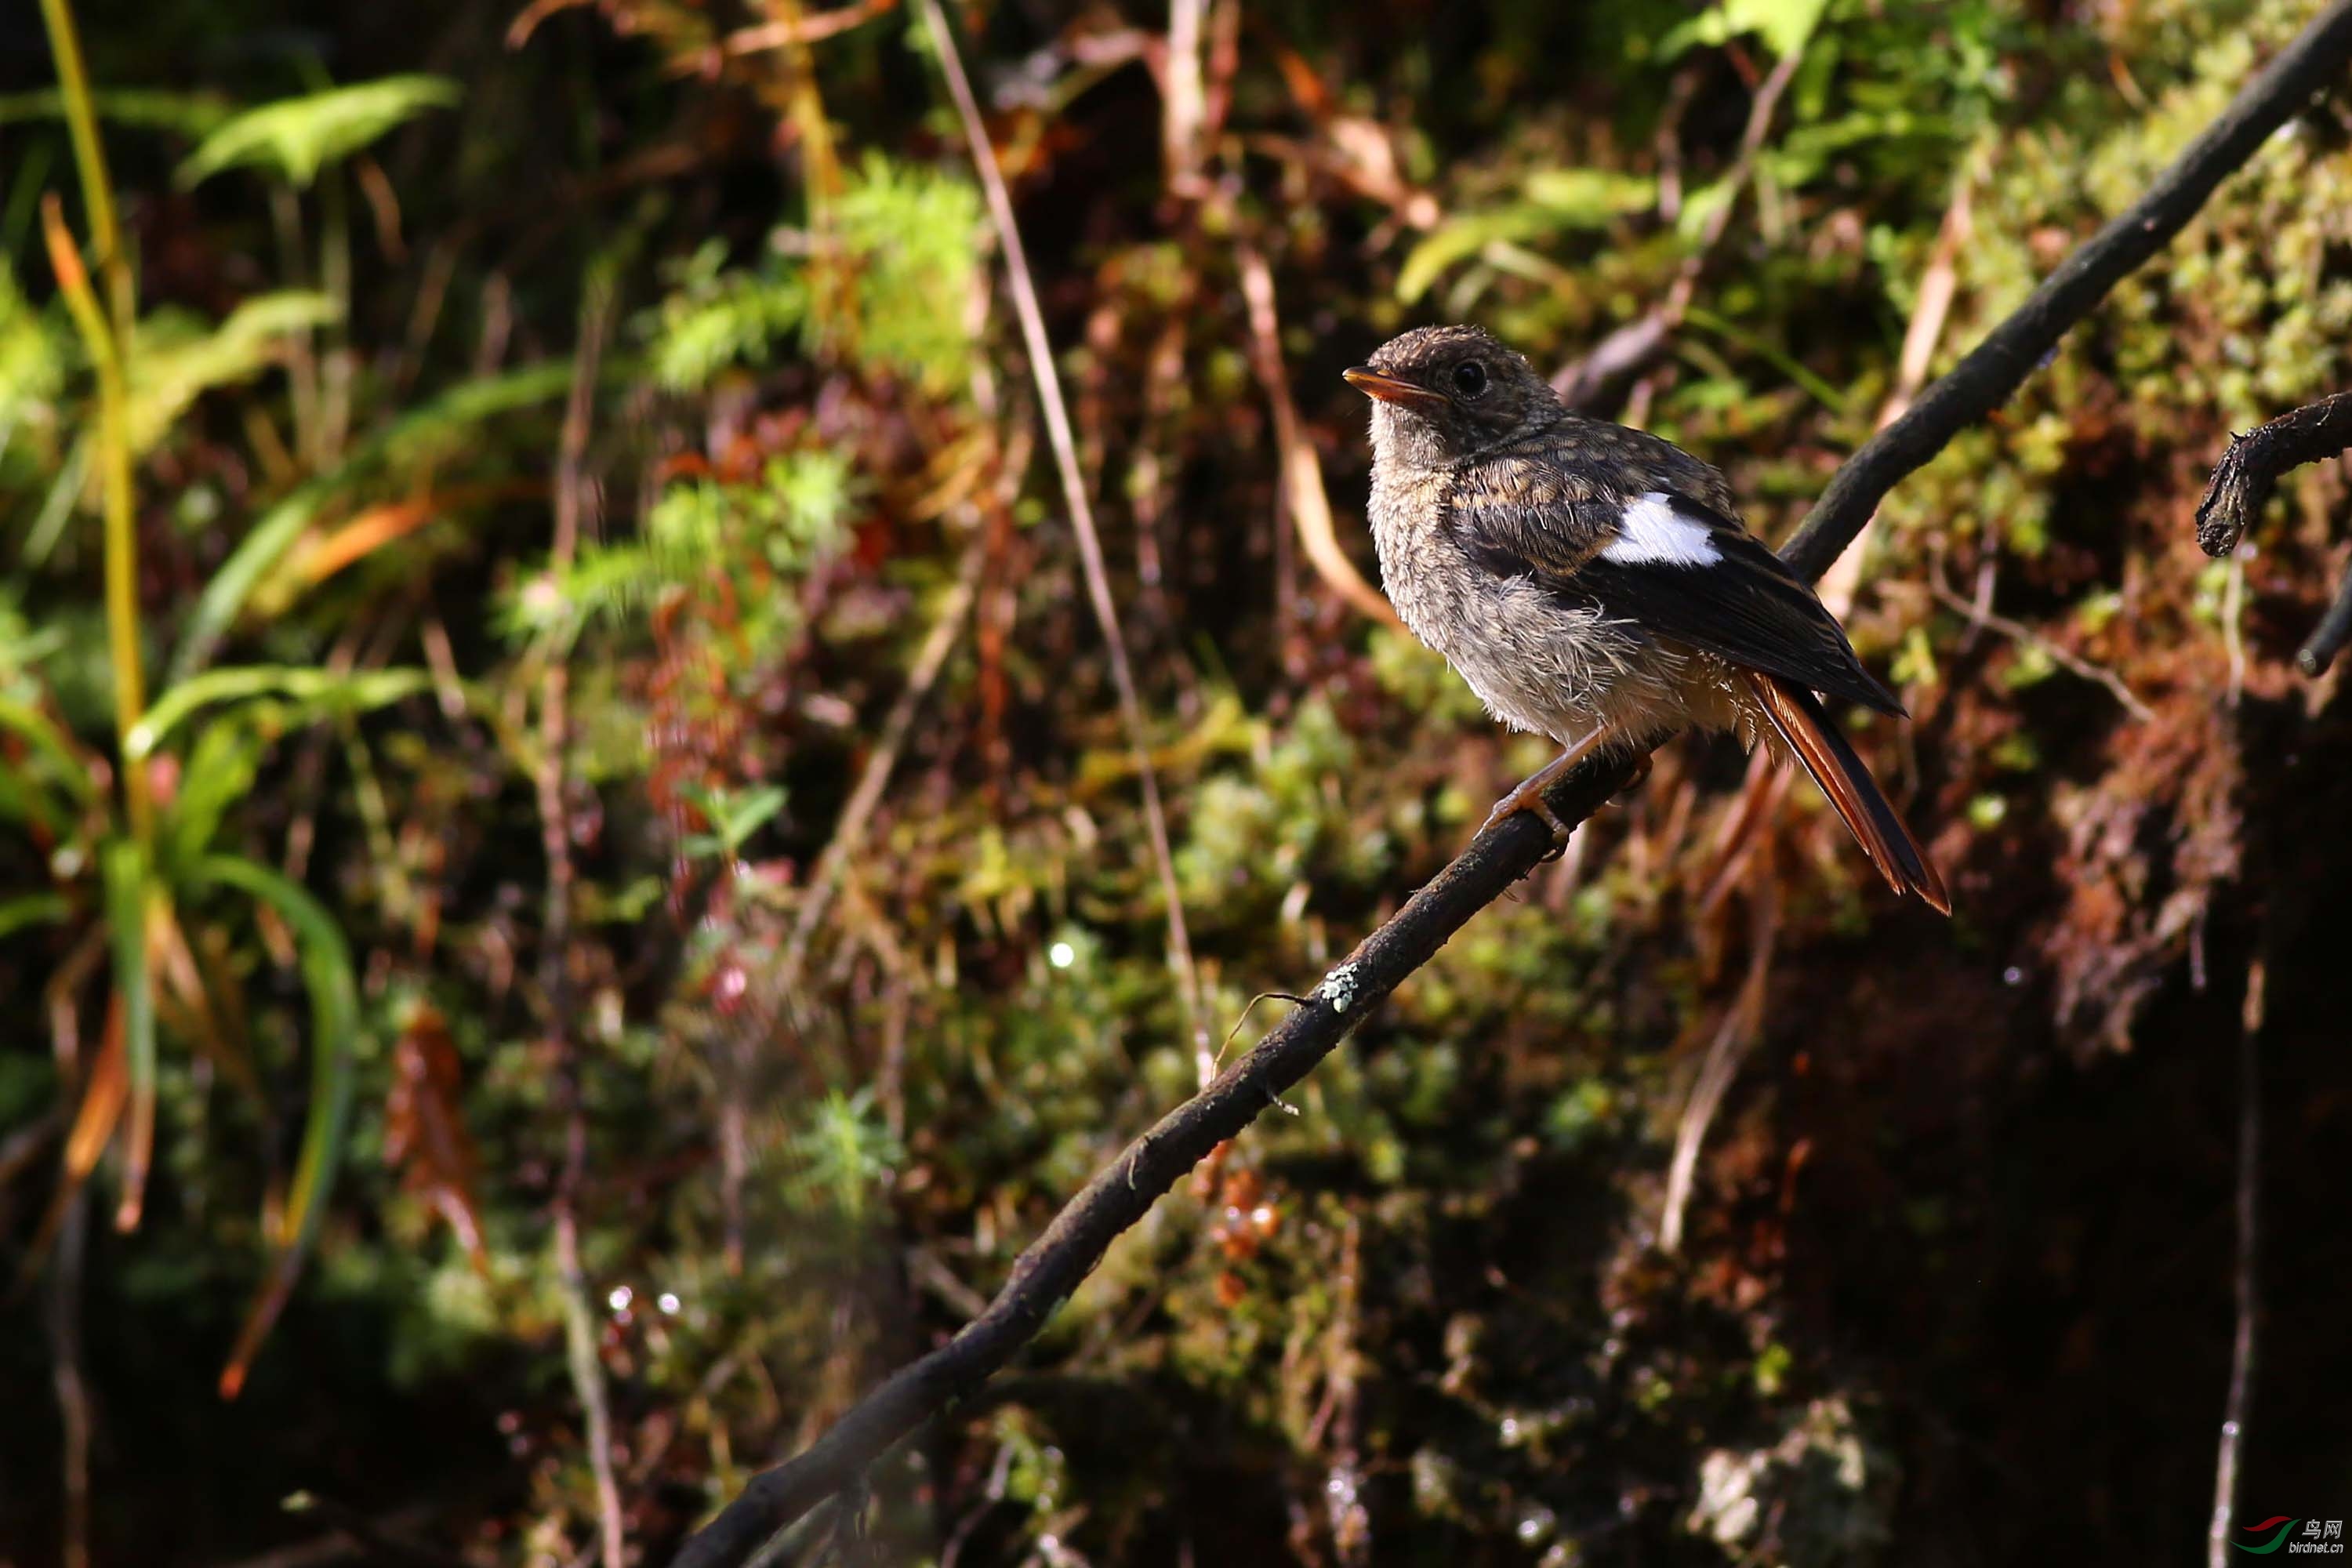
(1389, 389)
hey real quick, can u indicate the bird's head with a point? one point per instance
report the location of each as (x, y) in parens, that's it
(1441, 394)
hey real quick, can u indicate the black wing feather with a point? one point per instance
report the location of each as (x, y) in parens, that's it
(1746, 607)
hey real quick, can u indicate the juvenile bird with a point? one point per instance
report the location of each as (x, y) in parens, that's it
(1594, 583)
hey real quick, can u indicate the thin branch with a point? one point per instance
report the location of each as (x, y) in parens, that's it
(1635, 344)
(1742, 1022)
(586, 1366)
(2026, 637)
(1302, 477)
(2000, 365)
(555, 937)
(1119, 1195)
(1082, 516)
(808, 29)
(1939, 285)
(2328, 637)
(2242, 1345)
(1184, 92)
(61, 1318)
(2243, 481)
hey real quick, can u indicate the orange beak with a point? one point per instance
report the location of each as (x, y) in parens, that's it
(1389, 389)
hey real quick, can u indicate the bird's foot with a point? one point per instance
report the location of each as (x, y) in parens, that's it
(1529, 795)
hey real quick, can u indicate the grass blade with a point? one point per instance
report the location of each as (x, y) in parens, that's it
(129, 895)
(328, 975)
(445, 424)
(341, 692)
(32, 910)
(95, 1119)
(39, 732)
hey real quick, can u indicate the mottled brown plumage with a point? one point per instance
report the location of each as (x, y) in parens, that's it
(1594, 583)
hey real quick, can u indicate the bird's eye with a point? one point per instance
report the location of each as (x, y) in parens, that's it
(1469, 378)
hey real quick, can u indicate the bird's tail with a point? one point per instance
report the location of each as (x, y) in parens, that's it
(1796, 714)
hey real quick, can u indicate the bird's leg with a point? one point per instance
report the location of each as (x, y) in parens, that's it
(1529, 795)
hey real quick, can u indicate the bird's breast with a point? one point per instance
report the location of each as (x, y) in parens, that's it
(1539, 661)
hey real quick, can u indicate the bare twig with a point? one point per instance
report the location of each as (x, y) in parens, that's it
(1183, 92)
(587, 1370)
(1999, 365)
(1635, 344)
(2026, 637)
(62, 1319)
(555, 937)
(1120, 1194)
(2242, 480)
(1937, 285)
(528, 19)
(2328, 637)
(1082, 516)
(1742, 1022)
(808, 30)
(2242, 1345)
(1302, 476)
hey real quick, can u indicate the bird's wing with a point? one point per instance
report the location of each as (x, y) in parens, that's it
(1675, 566)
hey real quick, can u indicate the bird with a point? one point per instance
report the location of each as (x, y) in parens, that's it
(1594, 583)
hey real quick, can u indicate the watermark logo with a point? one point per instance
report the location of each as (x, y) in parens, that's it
(2280, 1533)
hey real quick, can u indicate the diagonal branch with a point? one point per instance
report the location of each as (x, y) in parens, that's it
(1121, 1193)
(1118, 1196)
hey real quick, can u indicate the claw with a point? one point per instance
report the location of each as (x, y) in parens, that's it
(1529, 795)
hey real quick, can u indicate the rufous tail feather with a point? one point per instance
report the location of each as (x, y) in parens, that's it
(1797, 716)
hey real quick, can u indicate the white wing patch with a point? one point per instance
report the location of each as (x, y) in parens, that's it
(1653, 532)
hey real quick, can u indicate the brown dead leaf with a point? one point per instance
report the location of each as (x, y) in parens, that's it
(425, 1129)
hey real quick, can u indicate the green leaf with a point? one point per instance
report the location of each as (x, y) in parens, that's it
(299, 136)
(733, 818)
(33, 909)
(36, 729)
(333, 986)
(1553, 201)
(412, 441)
(715, 319)
(1785, 25)
(1590, 198)
(913, 231)
(445, 425)
(323, 689)
(219, 772)
(194, 113)
(176, 365)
